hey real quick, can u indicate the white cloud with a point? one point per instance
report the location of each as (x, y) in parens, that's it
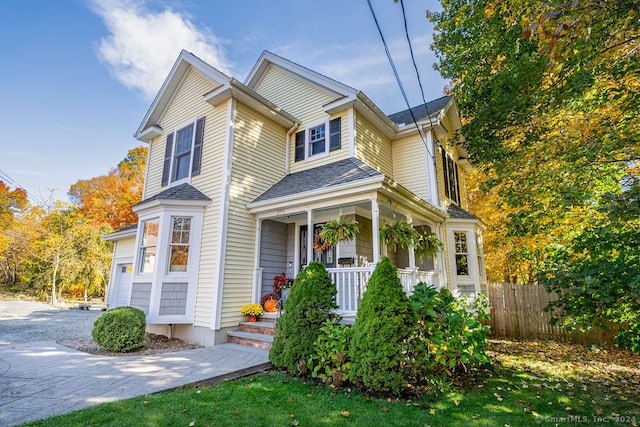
(143, 45)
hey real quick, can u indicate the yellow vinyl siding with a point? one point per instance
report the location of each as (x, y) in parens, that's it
(409, 165)
(258, 163)
(124, 248)
(305, 103)
(372, 147)
(210, 182)
(186, 105)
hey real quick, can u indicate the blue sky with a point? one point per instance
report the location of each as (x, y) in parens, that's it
(79, 75)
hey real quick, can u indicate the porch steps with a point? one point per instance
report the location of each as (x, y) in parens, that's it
(255, 334)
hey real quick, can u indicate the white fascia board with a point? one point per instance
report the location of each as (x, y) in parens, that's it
(311, 197)
(236, 90)
(180, 203)
(149, 133)
(171, 84)
(288, 67)
(415, 202)
(118, 235)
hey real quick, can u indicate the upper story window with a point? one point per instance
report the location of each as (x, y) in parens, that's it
(148, 246)
(183, 152)
(451, 178)
(314, 141)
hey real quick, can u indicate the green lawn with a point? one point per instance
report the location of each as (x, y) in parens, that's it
(532, 383)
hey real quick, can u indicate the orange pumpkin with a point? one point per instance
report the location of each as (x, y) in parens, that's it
(270, 306)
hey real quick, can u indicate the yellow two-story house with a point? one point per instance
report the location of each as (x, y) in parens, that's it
(240, 177)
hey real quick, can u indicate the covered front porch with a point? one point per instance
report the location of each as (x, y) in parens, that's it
(285, 245)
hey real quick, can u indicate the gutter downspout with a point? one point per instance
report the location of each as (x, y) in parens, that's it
(287, 149)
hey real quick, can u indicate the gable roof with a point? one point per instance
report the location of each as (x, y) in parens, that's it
(421, 112)
(346, 171)
(344, 96)
(225, 87)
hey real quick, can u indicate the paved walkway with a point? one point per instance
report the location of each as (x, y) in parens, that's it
(41, 379)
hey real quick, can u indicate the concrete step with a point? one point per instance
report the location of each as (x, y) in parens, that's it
(250, 339)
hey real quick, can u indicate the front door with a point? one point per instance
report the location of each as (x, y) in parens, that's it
(321, 253)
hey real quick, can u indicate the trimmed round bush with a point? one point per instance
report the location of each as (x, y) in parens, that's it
(308, 306)
(384, 325)
(121, 329)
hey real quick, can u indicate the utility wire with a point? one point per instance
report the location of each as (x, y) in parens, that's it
(413, 59)
(395, 72)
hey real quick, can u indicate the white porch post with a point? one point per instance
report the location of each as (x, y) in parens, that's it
(257, 285)
(309, 236)
(375, 229)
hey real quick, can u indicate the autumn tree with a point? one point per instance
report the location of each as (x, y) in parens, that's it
(107, 199)
(550, 94)
(12, 203)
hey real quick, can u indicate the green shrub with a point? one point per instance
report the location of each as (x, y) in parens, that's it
(383, 326)
(309, 304)
(121, 329)
(330, 359)
(450, 336)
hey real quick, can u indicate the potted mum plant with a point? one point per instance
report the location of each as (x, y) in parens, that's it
(252, 311)
(281, 286)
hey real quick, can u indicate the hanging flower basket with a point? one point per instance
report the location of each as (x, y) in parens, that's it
(398, 235)
(427, 244)
(339, 230)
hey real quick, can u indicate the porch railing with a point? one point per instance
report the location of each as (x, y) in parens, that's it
(351, 283)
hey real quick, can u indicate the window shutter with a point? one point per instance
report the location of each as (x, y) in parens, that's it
(334, 134)
(197, 147)
(445, 174)
(166, 167)
(299, 146)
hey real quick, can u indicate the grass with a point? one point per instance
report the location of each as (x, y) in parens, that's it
(530, 383)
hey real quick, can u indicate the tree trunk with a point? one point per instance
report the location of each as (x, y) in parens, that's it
(54, 276)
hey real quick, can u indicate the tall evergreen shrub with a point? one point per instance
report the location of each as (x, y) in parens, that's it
(383, 327)
(309, 304)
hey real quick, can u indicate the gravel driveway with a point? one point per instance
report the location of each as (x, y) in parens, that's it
(24, 322)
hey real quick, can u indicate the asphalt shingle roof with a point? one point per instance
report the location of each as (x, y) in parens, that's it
(179, 192)
(420, 112)
(337, 173)
(456, 211)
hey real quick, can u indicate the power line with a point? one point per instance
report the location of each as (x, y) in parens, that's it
(413, 59)
(395, 72)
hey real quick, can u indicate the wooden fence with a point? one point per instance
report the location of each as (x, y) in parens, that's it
(517, 311)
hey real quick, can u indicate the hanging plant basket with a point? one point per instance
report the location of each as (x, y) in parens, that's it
(398, 235)
(426, 245)
(339, 230)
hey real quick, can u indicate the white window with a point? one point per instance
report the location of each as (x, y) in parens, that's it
(316, 141)
(148, 246)
(179, 247)
(183, 152)
(182, 155)
(462, 253)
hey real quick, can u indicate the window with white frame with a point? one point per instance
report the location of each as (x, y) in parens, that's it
(183, 152)
(314, 141)
(451, 178)
(462, 253)
(148, 246)
(179, 247)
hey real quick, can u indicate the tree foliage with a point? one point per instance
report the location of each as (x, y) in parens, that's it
(550, 93)
(107, 199)
(306, 309)
(381, 334)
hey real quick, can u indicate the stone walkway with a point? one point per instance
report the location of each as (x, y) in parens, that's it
(40, 379)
